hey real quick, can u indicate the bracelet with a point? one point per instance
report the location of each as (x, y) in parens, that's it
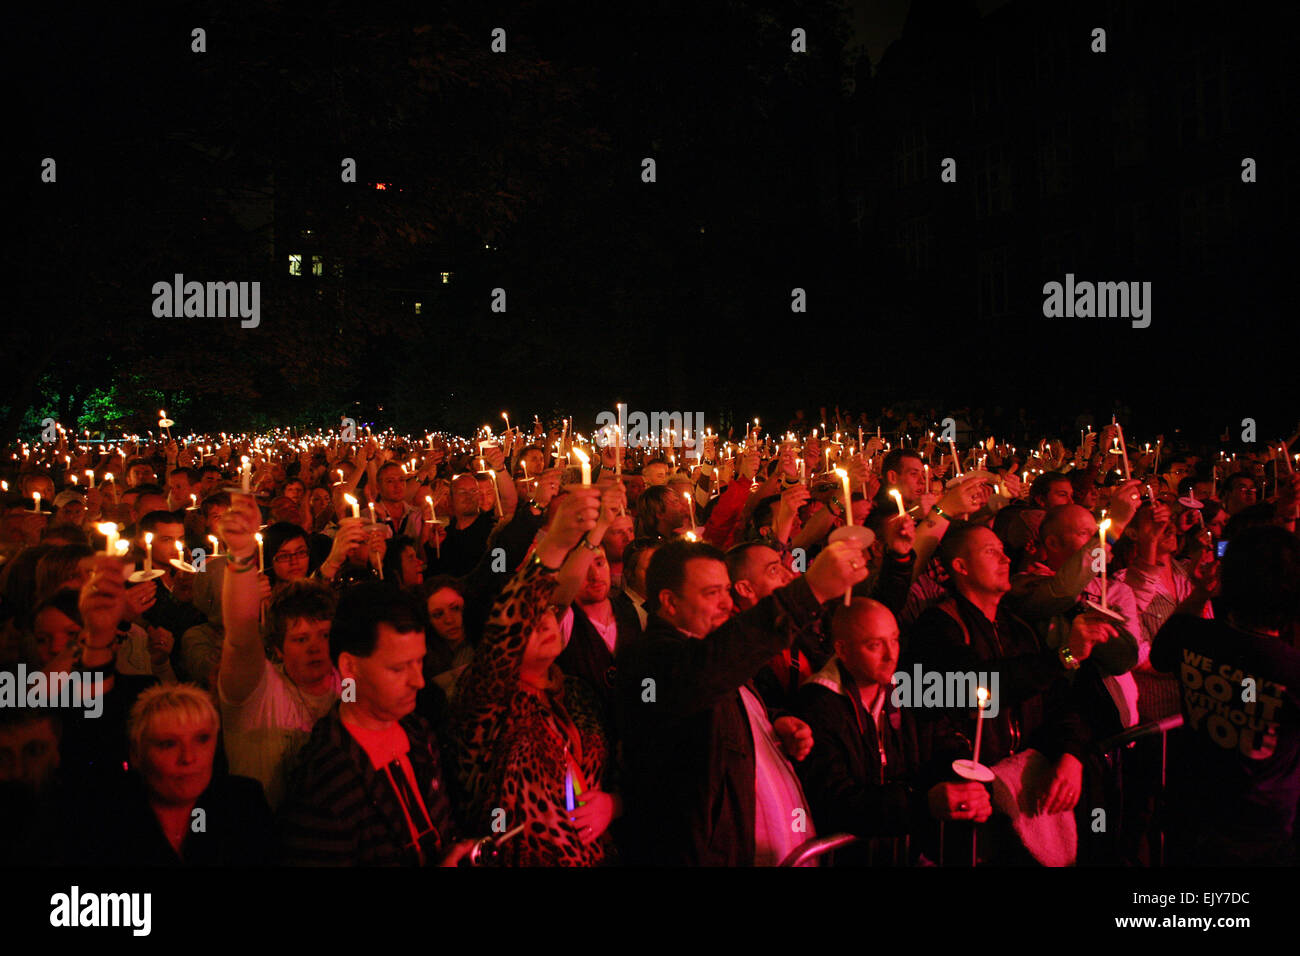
(240, 565)
(942, 514)
(1067, 658)
(537, 560)
(587, 544)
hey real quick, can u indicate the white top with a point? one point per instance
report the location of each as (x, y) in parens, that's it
(264, 734)
(778, 828)
(608, 634)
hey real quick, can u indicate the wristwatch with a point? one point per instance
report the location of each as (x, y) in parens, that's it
(1067, 658)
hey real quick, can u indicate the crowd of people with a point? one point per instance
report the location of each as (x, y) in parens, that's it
(540, 649)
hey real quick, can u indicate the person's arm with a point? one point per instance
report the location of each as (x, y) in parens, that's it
(243, 655)
(720, 528)
(496, 460)
(959, 501)
(573, 573)
(692, 675)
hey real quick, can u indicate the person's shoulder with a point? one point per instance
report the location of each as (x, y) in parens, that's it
(239, 791)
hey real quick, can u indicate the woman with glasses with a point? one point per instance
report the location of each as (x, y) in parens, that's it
(286, 553)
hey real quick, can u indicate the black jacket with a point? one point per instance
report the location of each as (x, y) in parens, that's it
(586, 655)
(688, 750)
(850, 789)
(342, 812)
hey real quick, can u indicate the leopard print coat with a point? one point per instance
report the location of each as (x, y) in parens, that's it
(507, 756)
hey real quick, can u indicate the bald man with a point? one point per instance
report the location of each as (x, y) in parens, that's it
(863, 775)
(1053, 591)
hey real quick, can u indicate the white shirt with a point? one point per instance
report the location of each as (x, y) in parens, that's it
(264, 734)
(779, 802)
(608, 632)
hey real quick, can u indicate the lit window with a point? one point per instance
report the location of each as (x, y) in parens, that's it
(446, 277)
(419, 308)
(317, 266)
(295, 265)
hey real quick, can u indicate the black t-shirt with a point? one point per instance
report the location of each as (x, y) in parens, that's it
(463, 549)
(1241, 778)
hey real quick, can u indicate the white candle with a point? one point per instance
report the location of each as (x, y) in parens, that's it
(90, 476)
(216, 545)
(247, 474)
(180, 550)
(848, 495)
(586, 465)
(356, 506)
(148, 551)
(982, 696)
(36, 501)
(194, 502)
(898, 500)
(109, 530)
(496, 493)
(433, 513)
(926, 466)
(261, 564)
(690, 500)
(956, 462)
(371, 505)
(1101, 533)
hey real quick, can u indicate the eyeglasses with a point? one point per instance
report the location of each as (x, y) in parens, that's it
(287, 556)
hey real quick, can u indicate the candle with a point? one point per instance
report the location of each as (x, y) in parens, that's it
(194, 502)
(496, 493)
(261, 563)
(180, 550)
(586, 465)
(148, 551)
(956, 463)
(371, 505)
(898, 500)
(356, 507)
(340, 481)
(247, 474)
(507, 418)
(1101, 533)
(1123, 449)
(926, 467)
(433, 512)
(982, 696)
(828, 458)
(216, 545)
(690, 500)
(108, 476)
(36, 501)
(90, 476)
(109, 530)
(848, 495)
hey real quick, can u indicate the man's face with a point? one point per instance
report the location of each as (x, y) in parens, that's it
(53, 632)
(871, 651)
(145, 504)
(618, 537)
(655, 473)
(704, 603)
(29, 754)
(677, 514)
(596, 588)
(761, 574)
(73, 513)
(306, 651)
(140, 475)
(294, 491)
(446, 614)
(389, 679)
(179, 489)
(1087, 498)
(983, 566)
(1078, 528)
(535, 461)
(465, 498)
(487, 499)
(1058, 493)
(176, 759)
(910, 481)
(1243, 495)
(209, 483)
(165, 537)
(292, 560)
(412, 567)
(392, 487)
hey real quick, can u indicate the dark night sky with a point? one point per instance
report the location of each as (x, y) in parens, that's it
(619, 274)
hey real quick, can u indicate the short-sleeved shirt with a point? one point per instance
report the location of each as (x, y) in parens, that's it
(264, 733)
